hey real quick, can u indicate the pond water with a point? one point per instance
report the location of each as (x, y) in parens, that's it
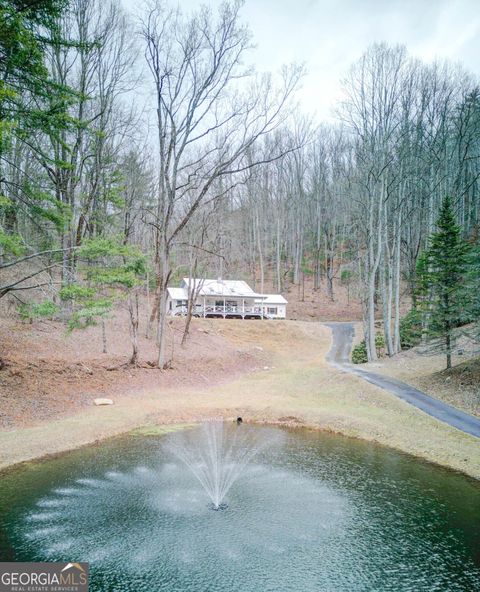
(314, 512)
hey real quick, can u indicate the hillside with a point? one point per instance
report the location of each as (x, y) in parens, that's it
(459, 386)
(46, 372)
(246, 368)
(307, 304)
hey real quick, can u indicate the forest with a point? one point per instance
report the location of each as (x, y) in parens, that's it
(139, 149)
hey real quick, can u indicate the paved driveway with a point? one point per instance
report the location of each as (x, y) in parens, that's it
(339, 356)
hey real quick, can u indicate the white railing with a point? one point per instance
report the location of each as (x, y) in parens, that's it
(231, 309)
(214, 309)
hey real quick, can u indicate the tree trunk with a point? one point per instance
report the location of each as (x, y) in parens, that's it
(133, 313)
(278, 258)
(329, 274)
(193, 291)
(188, 320)
(387, 292)
(298, 255)
(370, 323)
(317, 273)
(104, 337)
(164, 273)
(260, 253)
(448, 344)
(396, 287)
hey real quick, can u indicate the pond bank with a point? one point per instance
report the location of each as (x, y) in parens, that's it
(297, 388)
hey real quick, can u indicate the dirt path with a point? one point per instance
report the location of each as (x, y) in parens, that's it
(295, 386)
(339, 355)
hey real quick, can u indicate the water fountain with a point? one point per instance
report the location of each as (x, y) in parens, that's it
(217, 454)
(311, 512)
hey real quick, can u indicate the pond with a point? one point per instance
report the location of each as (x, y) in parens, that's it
(311, 512)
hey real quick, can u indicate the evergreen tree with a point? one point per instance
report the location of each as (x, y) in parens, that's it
(115, 272)
(26, 87)
(473, 331)
(443, 273)
(31, 104)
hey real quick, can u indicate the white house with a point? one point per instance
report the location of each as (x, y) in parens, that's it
(274, 306)
(225, 299)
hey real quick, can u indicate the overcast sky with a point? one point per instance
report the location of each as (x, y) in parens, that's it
(329, 35)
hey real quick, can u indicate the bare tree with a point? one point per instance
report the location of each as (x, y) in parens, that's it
(371, 111)
(208, 118)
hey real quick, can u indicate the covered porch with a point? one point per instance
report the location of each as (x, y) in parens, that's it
(228, 307)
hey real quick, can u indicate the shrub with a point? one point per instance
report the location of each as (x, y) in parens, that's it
(37, 311)
(380, 344)
(74, 292)
(91, 311)
(359, 353)
(410, 330)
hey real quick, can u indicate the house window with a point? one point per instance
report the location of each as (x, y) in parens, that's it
(182, 303)
(272, 310)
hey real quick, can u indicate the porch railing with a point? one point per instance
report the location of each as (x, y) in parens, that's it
(213, 309)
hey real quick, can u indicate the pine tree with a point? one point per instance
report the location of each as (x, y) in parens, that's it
(27, 91)
(442, 273)
(473, 331)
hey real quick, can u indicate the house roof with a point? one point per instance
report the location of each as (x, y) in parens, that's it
(224, 288)
(177, 293)
(274, 299)
(233, 288)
